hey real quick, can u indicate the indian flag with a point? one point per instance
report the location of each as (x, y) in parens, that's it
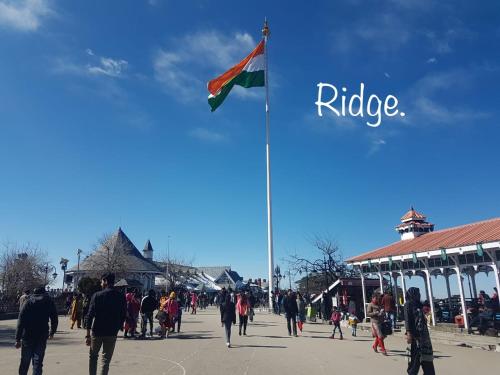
(248, 73)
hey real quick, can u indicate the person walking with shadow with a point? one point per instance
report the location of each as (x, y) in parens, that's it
(228, 317)
(33, 330)
(301, 307)
(376, 315)
(417, 335)
(148, 306)
(105, 318)
(291, 311)
(243, 308)
(336, 318)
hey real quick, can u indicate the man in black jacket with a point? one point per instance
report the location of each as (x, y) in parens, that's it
(291, 311)
(417, 335)
(33, 330)
(148, 305)
(107, 313)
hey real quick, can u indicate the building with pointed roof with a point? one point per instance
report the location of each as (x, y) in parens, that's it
(118, 254)
(148, 250)
(413, 224)
(229, 279)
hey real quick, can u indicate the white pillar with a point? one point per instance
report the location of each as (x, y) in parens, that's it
(395, 293)
(403, 285)
(381, 279)
(473, 280)
(363, 289)
(462, 296)
(448, 290)
(497, 278)
(431, 298)
(427, 296)
(395, 287)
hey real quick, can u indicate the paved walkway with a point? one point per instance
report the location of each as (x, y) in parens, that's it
(200, 349)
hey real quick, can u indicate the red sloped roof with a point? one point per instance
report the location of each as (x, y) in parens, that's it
(469, 234)
(412, 214)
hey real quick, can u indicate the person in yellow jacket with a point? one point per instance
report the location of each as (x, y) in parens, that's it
(77, 311)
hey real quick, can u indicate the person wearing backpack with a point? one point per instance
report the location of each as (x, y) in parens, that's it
(417, 335)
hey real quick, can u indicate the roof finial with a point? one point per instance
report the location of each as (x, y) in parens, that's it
(265, 29)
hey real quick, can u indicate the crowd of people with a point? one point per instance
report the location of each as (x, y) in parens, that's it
(110, 310)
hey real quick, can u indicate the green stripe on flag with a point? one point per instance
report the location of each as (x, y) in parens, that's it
(244, 79)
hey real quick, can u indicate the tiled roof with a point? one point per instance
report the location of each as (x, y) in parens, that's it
(214, 271)
(413, 215)
(469, 234)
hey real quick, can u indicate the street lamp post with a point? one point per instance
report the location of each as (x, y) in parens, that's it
(168, 261)
(64, 267)
(46, 269)
(278, 276)
(78, 252)
(77, 276)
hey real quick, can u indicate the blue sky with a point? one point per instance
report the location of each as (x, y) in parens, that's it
(104, 122)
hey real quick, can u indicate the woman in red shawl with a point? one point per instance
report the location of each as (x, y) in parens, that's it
(171, 308)
(133, 307)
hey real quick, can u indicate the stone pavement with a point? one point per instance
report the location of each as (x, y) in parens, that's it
(200, 349)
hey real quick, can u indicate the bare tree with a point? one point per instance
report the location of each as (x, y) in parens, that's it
(23, 267)
(326, 263)
(104, 258)
(176, 270)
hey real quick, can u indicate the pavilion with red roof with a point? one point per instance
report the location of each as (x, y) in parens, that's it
(466, 249)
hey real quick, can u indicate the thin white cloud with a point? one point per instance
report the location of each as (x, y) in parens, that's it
(428, 100)
(376, 145)
(96, 66)
(431, 60)
(388, 29)
(384, 33)
(24, 15)
(208, 136)
(177, 81)
(109, 67)
(387, 75)
(186, 64)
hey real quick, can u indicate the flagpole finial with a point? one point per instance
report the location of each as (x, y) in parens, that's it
(265, 29)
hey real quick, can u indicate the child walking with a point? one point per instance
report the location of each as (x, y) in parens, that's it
(353, 322)
(335, 318)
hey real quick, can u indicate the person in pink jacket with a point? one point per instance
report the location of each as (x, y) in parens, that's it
(171, 308)
(194, 303)
(243, 308)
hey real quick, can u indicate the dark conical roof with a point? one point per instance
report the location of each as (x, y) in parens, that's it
(129, 255)
(148, 246)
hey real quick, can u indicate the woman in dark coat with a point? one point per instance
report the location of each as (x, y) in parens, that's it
(228, 311)
(417, 335)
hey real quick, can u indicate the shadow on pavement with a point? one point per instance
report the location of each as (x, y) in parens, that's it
(193, 337)
(7, 336)
(260, 346)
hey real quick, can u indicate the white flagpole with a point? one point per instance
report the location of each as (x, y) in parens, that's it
(265, 34)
